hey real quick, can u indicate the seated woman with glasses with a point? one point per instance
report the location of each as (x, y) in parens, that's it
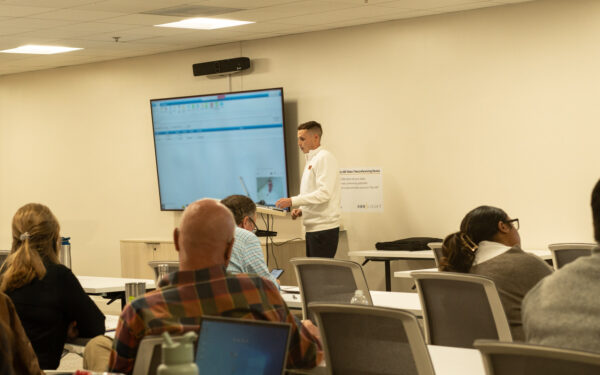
(48, 298)
(489, 244)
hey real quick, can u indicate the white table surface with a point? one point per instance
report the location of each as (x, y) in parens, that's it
(406, 274)
(98, 284)
(422, 254)
(396, 300)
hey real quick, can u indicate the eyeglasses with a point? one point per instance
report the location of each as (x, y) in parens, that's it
(254, 226)
(514, 223)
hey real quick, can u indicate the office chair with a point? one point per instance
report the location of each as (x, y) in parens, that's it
(436, 247)
(564, 253)
(503, 358)
(369, 340)
(3, 255)
(459, 308)
(328, 280)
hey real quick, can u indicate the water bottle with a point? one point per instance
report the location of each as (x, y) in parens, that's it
(359, 298)
(178, 357)
(65, 251)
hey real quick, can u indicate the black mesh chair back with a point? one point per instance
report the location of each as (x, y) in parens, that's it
(367, 340)
(436, 247)
(460, 308)
(502, 358)
(564, 253)
(328, 280)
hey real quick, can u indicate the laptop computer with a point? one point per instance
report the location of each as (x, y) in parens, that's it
(238, 346)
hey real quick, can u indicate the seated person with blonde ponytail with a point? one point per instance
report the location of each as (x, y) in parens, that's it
(48, 298)
(489, 244)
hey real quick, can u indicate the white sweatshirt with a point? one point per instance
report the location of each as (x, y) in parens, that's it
(319, 197)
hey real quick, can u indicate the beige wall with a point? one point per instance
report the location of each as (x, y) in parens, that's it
(496, 106)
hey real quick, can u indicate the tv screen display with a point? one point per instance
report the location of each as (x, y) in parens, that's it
(212, 146)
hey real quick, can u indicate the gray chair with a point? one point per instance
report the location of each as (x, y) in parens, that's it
(501, 358)
(172, 265)
(3, 255)
(369, 340)
(436, 247)
(564, 253)
(460, 308)
(328, 280)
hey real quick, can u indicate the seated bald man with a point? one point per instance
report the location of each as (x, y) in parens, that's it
(204, 241)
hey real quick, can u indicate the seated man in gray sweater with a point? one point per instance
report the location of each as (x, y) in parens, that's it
(562, 310)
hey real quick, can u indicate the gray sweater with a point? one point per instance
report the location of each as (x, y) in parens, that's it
(514, 272)
(564, 309)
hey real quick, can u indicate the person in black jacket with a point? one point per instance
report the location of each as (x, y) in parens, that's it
(49, 300)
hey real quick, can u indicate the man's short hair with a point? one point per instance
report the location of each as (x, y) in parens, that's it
(596, 210)
(312, 126)
(240, 206)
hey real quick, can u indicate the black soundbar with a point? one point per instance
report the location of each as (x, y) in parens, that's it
(221, 66)
(265, 233)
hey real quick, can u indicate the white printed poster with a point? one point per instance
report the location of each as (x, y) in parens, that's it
(362, 189)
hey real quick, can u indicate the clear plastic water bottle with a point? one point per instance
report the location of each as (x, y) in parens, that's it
(65, 251)
(178, 357)
(359, 298)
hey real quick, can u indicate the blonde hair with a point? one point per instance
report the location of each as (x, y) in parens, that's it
(35, 232)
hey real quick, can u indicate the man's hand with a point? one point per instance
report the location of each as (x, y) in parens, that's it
(296, 213)
(284, 203)
(312, 328)
(72, 331)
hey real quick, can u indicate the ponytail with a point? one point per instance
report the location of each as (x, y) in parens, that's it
(458, 253)
(35, 241)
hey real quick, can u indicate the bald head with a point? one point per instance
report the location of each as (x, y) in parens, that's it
(205, 235)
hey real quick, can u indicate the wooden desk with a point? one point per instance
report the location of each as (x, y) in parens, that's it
(388, 256)
(395, 300)
(112, 288)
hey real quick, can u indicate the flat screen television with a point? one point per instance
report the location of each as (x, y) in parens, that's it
(215, 145)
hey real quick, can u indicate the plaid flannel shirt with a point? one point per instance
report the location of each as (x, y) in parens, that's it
(184, 297)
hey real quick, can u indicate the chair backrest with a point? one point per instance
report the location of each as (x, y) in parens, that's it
(564, 253)
(328, 280)
(173, 266)
(149, 353)
(459, 308)
(436, 247)
(502, 358)
(3, 255)
(371, 340)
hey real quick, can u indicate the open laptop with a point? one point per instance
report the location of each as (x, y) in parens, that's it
(238, 346)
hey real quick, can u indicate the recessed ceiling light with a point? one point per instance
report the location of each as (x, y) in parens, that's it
(40, 50)
(203, 23)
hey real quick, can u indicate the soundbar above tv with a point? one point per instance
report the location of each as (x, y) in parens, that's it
(215, 145)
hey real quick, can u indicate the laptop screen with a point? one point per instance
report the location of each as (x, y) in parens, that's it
(238, 346)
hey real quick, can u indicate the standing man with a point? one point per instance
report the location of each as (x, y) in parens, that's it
(319, 199)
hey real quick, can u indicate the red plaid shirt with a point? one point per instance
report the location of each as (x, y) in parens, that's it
(185, 296)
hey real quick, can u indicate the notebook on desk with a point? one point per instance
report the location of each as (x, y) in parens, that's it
(238, 346)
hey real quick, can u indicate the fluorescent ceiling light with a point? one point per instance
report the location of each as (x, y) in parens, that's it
(40, 50)
(203, 23)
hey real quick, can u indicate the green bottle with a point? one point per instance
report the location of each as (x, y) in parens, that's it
(178, 357)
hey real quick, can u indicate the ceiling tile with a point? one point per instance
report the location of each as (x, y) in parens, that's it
(21, 11)
(294, 9)
(143, 19)
(344, 15)
(77, 15)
